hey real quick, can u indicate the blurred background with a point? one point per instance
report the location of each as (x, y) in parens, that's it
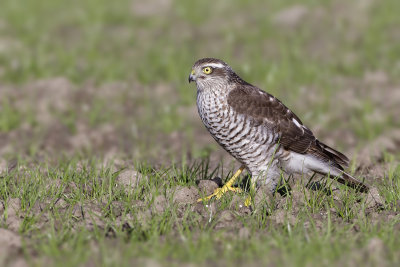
(95, 109)
(99, 78)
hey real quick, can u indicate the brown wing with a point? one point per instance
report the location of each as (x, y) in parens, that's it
(265, 109)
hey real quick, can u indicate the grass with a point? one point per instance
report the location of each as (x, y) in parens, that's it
(9, 117)
(121, 70)
(106, 42)
(315, 227)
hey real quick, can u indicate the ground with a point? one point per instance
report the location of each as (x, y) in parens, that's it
(103, 155)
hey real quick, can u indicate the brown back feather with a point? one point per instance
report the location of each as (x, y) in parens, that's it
(269, 111)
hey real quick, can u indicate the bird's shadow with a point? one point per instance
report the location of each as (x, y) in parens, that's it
(284, 186)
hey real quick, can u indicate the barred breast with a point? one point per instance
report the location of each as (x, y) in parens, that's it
(251, 144)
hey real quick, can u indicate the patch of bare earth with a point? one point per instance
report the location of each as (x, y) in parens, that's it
(59, 116)
(11, 249)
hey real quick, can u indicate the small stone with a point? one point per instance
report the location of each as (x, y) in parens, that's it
(185, 195)
(130, 179)
(207, 187)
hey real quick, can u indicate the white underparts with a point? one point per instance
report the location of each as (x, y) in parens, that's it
(302, 163)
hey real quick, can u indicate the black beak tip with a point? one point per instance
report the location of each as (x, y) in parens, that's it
(190, 79)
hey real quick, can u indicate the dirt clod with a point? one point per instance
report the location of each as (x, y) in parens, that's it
(130, 179)
(237, 204)
(207, 211)
(9, 239)
(299, 195)
(13, 218)
(93, 216)
(185, 195)
(207, 187)
(10, 252)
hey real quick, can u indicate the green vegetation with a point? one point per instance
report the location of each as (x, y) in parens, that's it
(77, 212)
(83, 82)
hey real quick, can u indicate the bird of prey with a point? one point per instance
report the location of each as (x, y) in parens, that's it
(259, 131)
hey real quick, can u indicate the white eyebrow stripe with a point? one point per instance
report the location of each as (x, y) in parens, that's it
(214, 65)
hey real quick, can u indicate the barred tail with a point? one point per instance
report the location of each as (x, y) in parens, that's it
(352, 182)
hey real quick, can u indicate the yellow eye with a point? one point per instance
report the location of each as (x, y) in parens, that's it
(207, 70)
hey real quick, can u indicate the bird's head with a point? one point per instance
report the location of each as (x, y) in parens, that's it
(210, 72)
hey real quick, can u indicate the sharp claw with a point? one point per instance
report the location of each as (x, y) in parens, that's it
(219, 192)
(247, 202)
(227, 187)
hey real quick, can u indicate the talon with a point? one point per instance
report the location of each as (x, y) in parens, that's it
(227, 187)
(219, 192)
(247, 202)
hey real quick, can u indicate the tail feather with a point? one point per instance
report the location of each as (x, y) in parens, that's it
(350, 181)
(338, 157)
(331, 162)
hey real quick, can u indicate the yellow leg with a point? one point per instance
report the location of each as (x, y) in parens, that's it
(227, 187)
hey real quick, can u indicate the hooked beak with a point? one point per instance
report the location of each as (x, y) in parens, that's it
(191, 77)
